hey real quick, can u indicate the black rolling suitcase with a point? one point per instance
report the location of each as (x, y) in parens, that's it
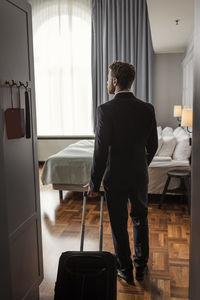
(85, 275)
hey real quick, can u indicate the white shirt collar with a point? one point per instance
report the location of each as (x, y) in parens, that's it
(123, 92)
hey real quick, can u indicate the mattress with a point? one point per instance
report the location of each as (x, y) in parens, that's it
(73, 164)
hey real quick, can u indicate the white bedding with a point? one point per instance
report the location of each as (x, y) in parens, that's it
(73, 164)
(69, 166)
(162, 158)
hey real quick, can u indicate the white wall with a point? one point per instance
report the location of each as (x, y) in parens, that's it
(48, 147)
(167, 87)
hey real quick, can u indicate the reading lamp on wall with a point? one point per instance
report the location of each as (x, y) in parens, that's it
(178, 113)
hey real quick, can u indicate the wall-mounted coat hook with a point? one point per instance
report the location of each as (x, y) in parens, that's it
(18, 85)
(7, 82)
(14, 83)
(24, 85)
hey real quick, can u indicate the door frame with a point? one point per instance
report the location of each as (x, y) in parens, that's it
(194, 286)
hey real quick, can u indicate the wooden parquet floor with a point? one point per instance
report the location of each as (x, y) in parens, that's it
(168, 276)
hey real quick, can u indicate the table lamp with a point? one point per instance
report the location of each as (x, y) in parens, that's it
(187, 119)
(178, 113)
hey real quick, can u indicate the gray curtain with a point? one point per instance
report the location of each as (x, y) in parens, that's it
(120, 31)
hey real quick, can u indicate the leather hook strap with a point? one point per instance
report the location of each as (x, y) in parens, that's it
(18, 87)
(11, 96)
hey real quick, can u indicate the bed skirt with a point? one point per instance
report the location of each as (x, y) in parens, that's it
(158, 177)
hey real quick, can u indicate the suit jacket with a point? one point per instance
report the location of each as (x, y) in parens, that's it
(125, 143)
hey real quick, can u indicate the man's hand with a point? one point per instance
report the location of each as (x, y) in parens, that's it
(90, 193)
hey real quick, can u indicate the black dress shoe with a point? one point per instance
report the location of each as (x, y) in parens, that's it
(140, 272)
(128, 277)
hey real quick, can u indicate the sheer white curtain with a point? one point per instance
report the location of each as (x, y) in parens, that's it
(62, 54)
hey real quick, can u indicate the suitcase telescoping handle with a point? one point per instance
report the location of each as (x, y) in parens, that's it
(101, 222)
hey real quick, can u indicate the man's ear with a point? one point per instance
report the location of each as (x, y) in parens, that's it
(114, 81)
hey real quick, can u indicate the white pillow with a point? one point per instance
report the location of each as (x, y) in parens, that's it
(178, 130)
(183, 149)
(159, 130)
(160, 142)
(168, 146)
(167, 131)
(180, 134)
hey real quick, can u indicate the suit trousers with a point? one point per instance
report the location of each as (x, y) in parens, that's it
(117, 201)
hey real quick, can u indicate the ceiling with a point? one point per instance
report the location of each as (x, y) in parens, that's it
(167, 37)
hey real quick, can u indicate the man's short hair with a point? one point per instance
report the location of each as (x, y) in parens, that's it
(124, 72)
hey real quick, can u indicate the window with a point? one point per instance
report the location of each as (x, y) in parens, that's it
(62, 54)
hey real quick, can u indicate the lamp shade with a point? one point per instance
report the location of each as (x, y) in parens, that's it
(177, 110)
(187, 117)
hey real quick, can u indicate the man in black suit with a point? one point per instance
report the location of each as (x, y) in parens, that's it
(125, 144)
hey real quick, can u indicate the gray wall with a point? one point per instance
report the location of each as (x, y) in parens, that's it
(167, 87)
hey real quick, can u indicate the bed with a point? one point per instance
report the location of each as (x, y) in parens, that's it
(70, 168)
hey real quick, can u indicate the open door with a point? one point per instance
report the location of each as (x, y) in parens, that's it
(21, 269)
